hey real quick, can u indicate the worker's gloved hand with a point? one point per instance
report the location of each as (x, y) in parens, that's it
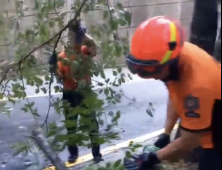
(145, 161)
(79, 31)
(53, 59)
(150, 148)
(163, 141)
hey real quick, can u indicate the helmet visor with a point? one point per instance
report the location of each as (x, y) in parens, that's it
(144, 68)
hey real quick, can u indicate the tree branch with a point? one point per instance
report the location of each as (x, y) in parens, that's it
(50, 88)
(43, 144)
(102, 84)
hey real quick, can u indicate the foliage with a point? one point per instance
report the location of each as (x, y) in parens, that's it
(24, 65)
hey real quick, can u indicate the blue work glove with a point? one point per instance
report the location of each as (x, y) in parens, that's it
(163, 141)
(79, 31)
(53, 59)
(145, 161)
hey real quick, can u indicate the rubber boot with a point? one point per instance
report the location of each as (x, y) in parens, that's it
(97, 156)
(74, 153)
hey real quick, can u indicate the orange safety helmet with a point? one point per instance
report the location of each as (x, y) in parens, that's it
(157, 39)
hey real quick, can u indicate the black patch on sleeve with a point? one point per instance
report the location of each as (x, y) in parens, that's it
(192, 114)
(191, 103)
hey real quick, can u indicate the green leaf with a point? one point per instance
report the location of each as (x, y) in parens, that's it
(36, 114)
(115, 73)
(11, 100)
(75, 67)
(16, 86)
(100, 91)
(128, 154)
(102, 74)
(44, 90)
(123, 80)
(106, 91)
(114, 24)
(25, 109)
(42, 29)
(149, 112)
(101, 122)
(128, 17)
(91, 101)
(119, 5)
(47, 77)
(81, 84)
(118, 50)
(137, 146)
(130, 77)
(105, 14)
(119, 81)
(30, 104)
(1, 96)
(108, 165)
(57, 89)
(51, 23)
(86, 8)
(119, 69)
(131, 144)
(107, 80)
(117, 163)
(37, 80)
(36, 6)
(116, 117)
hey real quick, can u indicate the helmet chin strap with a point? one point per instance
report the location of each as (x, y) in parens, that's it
(174, 74)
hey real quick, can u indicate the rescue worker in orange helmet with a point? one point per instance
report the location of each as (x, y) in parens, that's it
(193, 78)
(71, 93)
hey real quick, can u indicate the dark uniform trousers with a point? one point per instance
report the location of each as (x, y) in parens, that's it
(75, 99)
(210, 160)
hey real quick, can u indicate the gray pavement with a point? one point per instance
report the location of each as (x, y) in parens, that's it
(112, 157)
(134, 121)
(119, 155)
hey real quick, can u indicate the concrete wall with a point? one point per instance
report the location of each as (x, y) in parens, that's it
(141, 10)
